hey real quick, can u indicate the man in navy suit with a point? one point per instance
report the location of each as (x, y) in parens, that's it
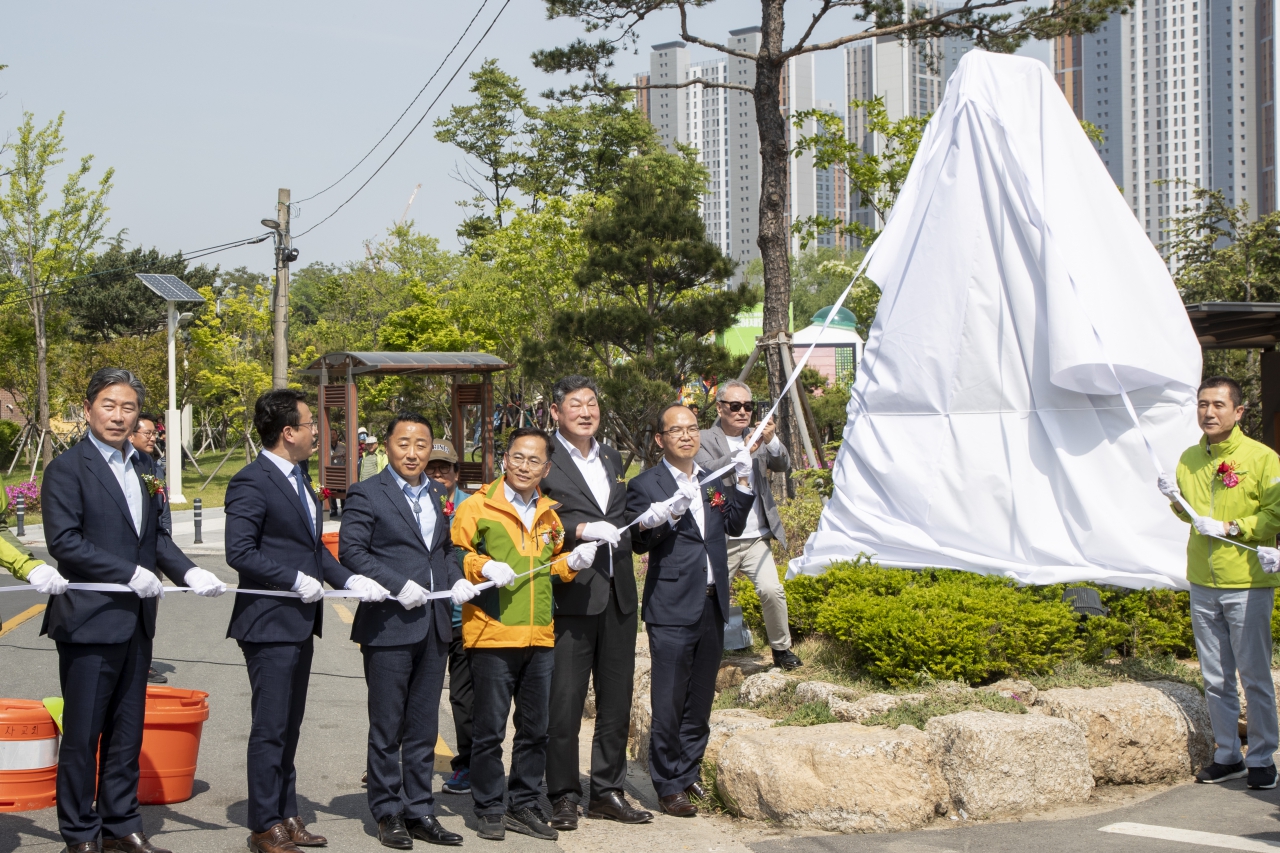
(102, 525)
(273, 533)
(683, 527)
(394, 532)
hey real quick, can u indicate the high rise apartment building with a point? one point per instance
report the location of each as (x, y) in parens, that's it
(721, 125)
(1184, 93)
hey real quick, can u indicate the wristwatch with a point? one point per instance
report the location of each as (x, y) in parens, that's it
(1233, 529)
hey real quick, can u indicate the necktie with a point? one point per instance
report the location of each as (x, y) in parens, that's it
(306, 499)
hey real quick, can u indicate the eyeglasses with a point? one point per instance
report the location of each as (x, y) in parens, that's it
(146, 433)
(315, 427)
(526, 463)
(736, 406)
(676, 432)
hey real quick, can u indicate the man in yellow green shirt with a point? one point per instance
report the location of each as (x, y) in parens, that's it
(22, 564)
(1233, 485)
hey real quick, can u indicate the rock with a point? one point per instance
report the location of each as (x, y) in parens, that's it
(733, 671)
(761, 686)
(838, 777)
(1006, 764)
(727, 723)
(1016, 689)
(824, 692)
(870, 706)
(952, 687)
(1138, 733)
(641, 714)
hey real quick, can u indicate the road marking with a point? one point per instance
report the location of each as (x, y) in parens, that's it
(33, 610)
(1191, 836)
(344, 612)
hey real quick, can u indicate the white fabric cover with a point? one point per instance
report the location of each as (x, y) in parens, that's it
(985, 430)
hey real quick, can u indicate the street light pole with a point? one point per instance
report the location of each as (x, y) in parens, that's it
(173, 418)
(280, 320)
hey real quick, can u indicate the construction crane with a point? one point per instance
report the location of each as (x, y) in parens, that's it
(412, 196)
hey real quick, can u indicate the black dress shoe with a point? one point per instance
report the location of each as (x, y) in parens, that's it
(428, 829)
(84, 847)
(612, 805)
(392, 833)
(135, 842)
(677, 805)
(564, 814)
(696, 791)
(786, 659)
(154, 677)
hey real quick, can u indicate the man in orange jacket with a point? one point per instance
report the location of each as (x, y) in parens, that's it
(511, 536)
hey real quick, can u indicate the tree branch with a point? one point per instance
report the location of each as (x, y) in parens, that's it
(906, 26)
(817, 16)
(696, 81)
(684, 34)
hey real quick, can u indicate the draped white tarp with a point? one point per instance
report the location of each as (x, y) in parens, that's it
(986, 430)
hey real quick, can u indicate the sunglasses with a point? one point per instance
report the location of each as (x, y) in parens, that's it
(736, 407)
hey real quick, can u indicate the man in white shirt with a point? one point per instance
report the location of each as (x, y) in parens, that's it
(750, 553)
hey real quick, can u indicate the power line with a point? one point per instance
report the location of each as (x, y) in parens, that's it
(406, 109)
(415, 126)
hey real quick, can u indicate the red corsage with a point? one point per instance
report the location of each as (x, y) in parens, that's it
(1227, 474)
(446, 507)
(717, 499)
(324, 493)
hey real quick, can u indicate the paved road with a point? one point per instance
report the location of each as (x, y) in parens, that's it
(191, 648)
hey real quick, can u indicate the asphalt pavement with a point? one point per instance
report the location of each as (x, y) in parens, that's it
(191, 649)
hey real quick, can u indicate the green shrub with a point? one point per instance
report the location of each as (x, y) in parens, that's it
(8, 432)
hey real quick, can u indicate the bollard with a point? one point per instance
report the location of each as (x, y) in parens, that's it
(22, 514)
(199, 505)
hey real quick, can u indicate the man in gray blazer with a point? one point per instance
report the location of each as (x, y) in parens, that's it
(395, 533)
(749, 553)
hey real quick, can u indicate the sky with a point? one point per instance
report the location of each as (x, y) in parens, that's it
(204, 110)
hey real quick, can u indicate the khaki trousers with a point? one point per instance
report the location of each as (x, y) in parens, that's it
(754, 559)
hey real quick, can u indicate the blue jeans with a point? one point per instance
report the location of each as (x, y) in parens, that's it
(497, 677)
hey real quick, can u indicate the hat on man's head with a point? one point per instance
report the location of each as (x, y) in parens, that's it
(441, 449)
(369, 439)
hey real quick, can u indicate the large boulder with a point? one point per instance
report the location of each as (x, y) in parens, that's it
(824, 692)
(839, 777)
(727, 723)
(1138, 733)
(762, 686)
(1006, 764)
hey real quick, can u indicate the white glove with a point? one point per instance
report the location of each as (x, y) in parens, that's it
(601, 531)
(742, 465)
(310, 588)
(204, 582)
(656, 515)
(687, 494)
(1210, 526)
(145, 584)
(1270, 559)
(500, 573)
(1168, 486)
(411, 595)
(463, 591)
(367, 589)
(583, 556)
(46, 580)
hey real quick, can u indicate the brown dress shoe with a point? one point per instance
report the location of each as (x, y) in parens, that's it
(678, 805)
(133, 843)
(84, 847)
(274, 840)
(612, 805)
(696, 791)
(300, 836)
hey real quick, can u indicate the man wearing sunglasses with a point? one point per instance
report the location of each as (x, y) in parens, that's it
(749, 552)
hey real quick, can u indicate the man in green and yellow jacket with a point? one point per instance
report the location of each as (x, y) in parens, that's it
(22, 564)
(1233, 485)
(511, 536)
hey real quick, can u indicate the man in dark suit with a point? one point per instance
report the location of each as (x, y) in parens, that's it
(686, 598)
(102, 525)
(595, 622)
(394, 532)
(273, 540)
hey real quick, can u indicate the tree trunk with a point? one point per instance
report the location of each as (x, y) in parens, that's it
(42, 366)
(773, 239)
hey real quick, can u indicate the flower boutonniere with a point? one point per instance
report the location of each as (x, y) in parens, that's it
(620, 480)
(554, 535)
(446, 506)
(716, 499)
(1228, 474)
(325, 494)
(155, 486)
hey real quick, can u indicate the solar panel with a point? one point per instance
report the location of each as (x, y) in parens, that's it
(169, 287)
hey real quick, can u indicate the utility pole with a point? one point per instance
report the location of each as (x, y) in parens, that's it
(280, 322)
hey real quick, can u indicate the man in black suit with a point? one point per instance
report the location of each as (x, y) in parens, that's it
(102, 525)
(595, 622)
(273, 540)
(395, 533)
(686, 598)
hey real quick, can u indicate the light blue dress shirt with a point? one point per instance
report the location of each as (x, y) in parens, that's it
(427, 516)
(122, 467)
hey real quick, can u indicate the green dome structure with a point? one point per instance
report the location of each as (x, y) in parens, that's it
(844, 318)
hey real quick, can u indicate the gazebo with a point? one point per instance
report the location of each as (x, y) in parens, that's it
(337, 372)
(1246, 325)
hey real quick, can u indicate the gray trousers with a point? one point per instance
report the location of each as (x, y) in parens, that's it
(754, 559)
(1232, 628)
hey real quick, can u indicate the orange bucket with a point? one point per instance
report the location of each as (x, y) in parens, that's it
(330, 541)
(28, 756)
(170, 744)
